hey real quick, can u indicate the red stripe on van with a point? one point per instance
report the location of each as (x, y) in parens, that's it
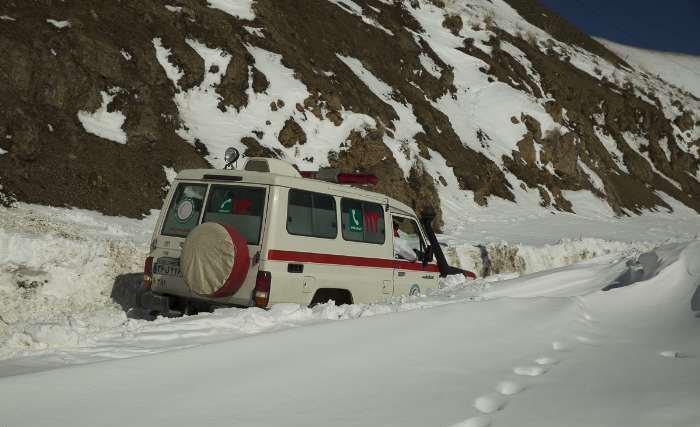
(294, 256)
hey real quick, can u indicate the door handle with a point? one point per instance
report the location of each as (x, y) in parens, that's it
(401, 273)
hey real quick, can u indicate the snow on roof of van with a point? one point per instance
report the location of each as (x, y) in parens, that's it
(292, 181)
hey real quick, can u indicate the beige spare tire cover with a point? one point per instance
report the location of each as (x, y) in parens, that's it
(214, 260)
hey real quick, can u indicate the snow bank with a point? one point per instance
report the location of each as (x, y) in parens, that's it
(504, 257)
(57, 267)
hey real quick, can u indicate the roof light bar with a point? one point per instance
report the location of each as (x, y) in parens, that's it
(335, 175)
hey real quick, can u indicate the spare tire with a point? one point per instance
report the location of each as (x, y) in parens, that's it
(214, 260)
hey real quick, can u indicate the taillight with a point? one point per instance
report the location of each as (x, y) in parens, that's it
(147, 273)
(262, 288)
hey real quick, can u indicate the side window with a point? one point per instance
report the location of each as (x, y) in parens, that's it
(311, 214)
(408, 242)
(237, 206)
(362, 221)
(184, 210)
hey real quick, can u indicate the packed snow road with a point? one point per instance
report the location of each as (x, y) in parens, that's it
(546, 349)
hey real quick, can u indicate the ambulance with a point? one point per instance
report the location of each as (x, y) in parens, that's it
(266, 234)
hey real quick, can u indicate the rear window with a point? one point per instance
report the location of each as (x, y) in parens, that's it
(184, 210)
(237, 206)
(311, 214)
(362, 221)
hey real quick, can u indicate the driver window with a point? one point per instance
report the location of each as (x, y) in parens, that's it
(408, 243)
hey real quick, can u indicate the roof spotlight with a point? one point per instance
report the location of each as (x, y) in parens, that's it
(230, 157)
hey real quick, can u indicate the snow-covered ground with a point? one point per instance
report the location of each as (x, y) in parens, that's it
(546, 349)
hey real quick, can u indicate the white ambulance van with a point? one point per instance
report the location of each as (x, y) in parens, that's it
(265, 234)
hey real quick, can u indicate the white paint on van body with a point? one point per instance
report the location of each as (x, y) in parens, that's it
(365, 283)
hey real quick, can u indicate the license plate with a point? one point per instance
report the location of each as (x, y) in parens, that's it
(167, 270)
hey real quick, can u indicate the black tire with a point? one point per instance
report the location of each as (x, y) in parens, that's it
(339, 296)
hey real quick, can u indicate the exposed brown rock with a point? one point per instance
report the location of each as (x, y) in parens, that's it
(561, 151)
(554, 109)
(334, 117)
(526, 150)
(254, 149)
(260, 82)
(544, 195)
(453, 23)
(686, 121)
(291, 134)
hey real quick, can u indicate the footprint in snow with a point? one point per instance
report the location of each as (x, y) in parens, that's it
(530, 371)
(586, 340)
(560, 346)
(489, 403)
(546, 361)
(474, 422)
(673, 354)
(508, 388)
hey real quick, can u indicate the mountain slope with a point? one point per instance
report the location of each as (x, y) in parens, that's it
(678, 69)
(465, 101)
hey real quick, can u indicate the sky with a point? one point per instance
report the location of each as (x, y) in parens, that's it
(670, 25)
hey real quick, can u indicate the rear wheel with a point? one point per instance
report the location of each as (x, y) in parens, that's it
(339, 296)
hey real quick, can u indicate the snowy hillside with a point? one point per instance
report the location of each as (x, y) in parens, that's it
(478, 101)
(678, 69)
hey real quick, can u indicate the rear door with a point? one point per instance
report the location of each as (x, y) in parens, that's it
(411, 277)
(243, 207)
(183, 215)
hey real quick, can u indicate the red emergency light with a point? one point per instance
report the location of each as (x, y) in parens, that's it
(335, 175)
(357, 178)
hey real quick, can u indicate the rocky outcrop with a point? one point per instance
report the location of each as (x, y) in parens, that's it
(291, 134)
